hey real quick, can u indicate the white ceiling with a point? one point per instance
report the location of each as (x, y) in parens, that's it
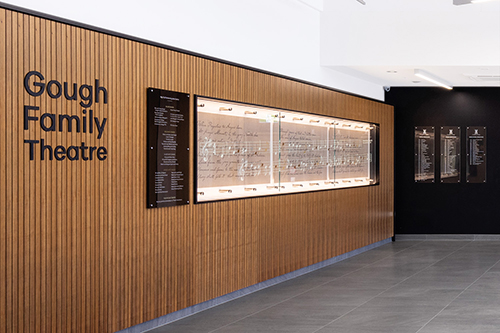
(386, 40)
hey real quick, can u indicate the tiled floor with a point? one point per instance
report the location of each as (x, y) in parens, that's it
(406, 286)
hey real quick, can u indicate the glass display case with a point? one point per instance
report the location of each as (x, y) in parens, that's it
(246, 150)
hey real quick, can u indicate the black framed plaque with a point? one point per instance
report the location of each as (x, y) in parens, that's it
(424, 154)
(450, 154)
(168, 148)
(476, 154)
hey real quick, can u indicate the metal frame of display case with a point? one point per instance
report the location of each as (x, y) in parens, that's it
(265, 114)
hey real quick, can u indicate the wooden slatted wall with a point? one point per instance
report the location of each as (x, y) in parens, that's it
(79, 252)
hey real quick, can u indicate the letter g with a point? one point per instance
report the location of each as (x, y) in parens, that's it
(36, 84)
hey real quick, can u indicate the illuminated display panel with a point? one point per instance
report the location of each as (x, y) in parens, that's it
(246, 150)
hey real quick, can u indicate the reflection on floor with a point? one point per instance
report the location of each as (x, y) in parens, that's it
(406, 286)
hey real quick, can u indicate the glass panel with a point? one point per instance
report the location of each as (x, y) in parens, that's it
(352, 152)
(221, 152)
(476, 154)
(424, 154)
(234, 148)
(450, 154)
(331, 152)
(303, 150)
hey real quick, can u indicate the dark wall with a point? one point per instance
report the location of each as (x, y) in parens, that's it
(440, 208)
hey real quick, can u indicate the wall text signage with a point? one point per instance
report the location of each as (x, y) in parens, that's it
(86, 122)
(168, 148)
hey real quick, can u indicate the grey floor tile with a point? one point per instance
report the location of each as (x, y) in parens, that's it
(201, 322)
(361, 280)
(394, 248)
(405, 263)
(489, 280)
(279, 292)
(459, 328)
(461, 267)
(459, 321)
(339, 269)
(265, 325)
(332, 303)
(315, 314)
(254, 302)
(438, 282)
(495, 268)
(444, 237)
(419, 294)
(368, 329)
(388, 316)
(173, 328)
(438, 298)
(316, 278)
(483, 295)
(339, 295)
(240, 308)
(470, 313)
(376, 254)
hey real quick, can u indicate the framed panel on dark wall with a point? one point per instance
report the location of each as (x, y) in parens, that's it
(476, 154)
(424, 154)
(168, 148)
(450, 154)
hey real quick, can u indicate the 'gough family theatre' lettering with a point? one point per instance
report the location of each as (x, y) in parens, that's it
(50, 122)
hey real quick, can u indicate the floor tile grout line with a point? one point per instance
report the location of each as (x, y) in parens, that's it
(447, 305)
(409, 277)
(308, 290)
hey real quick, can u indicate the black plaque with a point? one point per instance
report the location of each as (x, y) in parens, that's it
(168, 148)
(424, 154)
(450, 154)
(476, 154)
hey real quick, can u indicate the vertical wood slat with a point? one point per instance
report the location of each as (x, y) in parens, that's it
(81, 251)
(23, 174)
(11, 268)
(4, 230)
(36, 235)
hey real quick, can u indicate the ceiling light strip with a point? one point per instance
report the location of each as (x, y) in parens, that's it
(468, 2)
(431, 78)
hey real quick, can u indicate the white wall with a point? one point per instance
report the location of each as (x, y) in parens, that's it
(280, 36)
